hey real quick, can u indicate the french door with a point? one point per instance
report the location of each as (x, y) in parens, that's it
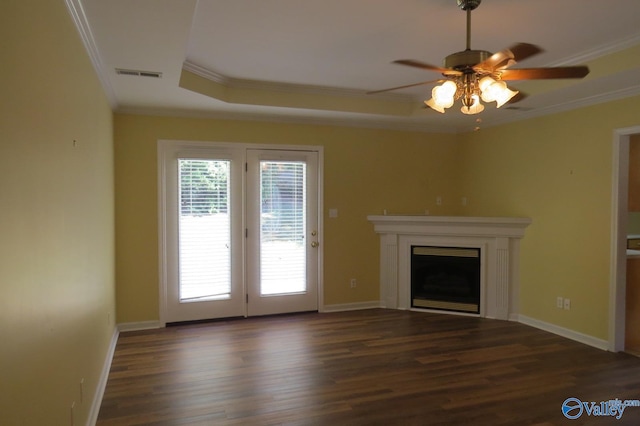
(282, 231)
(239, 231)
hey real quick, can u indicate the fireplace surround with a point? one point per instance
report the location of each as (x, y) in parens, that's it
(496, 238)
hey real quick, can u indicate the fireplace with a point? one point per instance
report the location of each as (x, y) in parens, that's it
(497, 239)
(446, 278)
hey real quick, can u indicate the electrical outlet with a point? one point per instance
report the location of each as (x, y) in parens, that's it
(567, 304)
(353, 283)
(559, 302)
(464, 201)
(439, 201)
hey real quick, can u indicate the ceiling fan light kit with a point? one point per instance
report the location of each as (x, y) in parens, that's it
(474, 75)
(470, 90)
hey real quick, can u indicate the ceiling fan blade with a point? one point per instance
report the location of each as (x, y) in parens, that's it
(422, 65)
(403, 87)
(544, 73)
(522, 51)
(507, 57)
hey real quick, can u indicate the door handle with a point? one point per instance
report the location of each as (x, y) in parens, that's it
(314, 244)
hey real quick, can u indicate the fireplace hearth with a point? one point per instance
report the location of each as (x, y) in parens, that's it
(445, 278)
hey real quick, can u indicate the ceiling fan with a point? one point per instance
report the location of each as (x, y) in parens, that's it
(474, 75)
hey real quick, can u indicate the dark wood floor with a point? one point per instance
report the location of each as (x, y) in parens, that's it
(373, 367)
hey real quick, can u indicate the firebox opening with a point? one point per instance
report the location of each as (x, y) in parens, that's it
(445, 278)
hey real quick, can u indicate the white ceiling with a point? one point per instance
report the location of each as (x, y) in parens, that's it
(304, 61)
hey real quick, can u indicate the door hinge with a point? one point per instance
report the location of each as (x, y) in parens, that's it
(246, 232)
(246, 167)
(247, 298)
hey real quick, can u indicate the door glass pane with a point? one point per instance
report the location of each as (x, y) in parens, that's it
(282, 227)
(204, 230)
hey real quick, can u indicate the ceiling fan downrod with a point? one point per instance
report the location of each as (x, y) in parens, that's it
(464, 61)
(468, 6)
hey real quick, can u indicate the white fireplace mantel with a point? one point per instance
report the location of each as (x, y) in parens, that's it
(498, 239)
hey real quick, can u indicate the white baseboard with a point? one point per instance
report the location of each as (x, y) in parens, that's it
(102, 382)
(565, 332)
(342, 307)
(141, 325)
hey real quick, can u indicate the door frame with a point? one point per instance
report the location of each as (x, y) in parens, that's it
(619, 213)
(165, 147)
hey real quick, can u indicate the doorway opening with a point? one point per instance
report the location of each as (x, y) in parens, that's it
(619, 233)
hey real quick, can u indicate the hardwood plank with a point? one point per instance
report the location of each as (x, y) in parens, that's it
(360, 368)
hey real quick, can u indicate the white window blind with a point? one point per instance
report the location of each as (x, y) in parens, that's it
(204, 239)
(282, 224)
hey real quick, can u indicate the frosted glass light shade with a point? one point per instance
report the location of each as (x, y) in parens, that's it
(492, 90)
(432, 104)
(444, 95)
(488, 89)
(505, 96)
(475, 108)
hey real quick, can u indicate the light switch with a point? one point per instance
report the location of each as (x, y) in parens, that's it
(333, 213)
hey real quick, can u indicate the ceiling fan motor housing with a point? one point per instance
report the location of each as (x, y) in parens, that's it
(466, 59)
(468, 4)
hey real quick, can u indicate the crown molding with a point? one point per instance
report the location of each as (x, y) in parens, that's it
(379, 124)
(205, 73)
(598, 51)
(587, 101)
(382, 124)
(239, 83)
(84, 30)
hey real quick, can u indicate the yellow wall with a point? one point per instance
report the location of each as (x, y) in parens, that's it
(555, 169)
(558, 171)
(57, 307)
(365, 172)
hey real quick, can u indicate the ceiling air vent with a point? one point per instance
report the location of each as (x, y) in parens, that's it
(138, 73)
